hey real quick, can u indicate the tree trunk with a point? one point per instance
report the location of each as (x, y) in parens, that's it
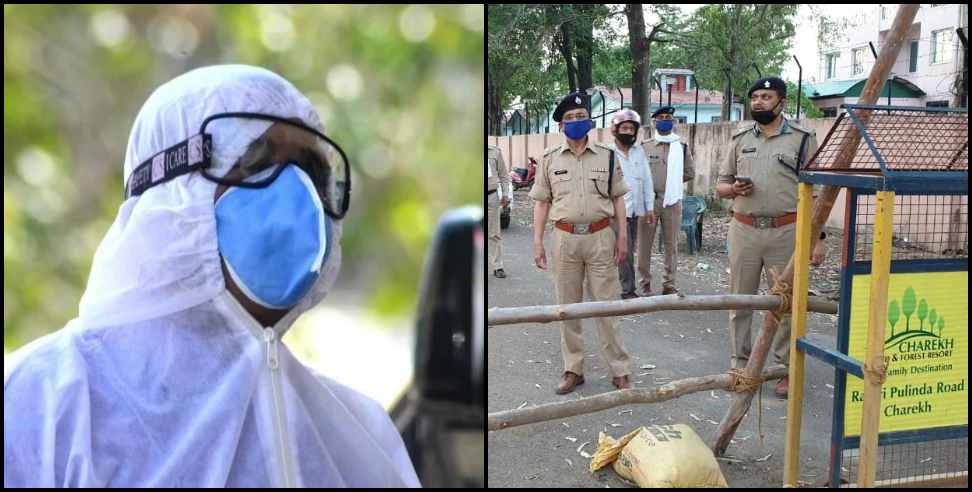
(640, 58)
(564, 43)
(585, 46)
(726, 100)
(494, 111)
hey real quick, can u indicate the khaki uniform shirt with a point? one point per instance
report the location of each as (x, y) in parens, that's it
(657, 153)
(500, 175)
(771, 161)
(577, 187)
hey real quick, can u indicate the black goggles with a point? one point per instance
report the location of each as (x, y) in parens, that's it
(314, 153)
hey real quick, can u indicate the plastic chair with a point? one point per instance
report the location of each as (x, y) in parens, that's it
(693, 208)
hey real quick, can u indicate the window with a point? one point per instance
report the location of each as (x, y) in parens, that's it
(831, 65)
(941, 46)
(681, 119)
(716, 119)
(858, 57)
(913, 63)
(936, 104)
(829, 112)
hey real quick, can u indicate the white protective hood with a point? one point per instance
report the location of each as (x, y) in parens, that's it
(164, 379)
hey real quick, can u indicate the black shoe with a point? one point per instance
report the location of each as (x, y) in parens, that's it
(629, 295)
(499, 273)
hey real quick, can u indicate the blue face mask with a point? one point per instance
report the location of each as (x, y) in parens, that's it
(576, 130)
(274, 239)
(664, 125)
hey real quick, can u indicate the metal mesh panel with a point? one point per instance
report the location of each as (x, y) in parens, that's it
(935, 463)
(906, 139)
(925, 227)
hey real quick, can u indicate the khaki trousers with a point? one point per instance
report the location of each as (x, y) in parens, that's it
(577, 257)
(670, 221)
(753, 252)
(495, 240)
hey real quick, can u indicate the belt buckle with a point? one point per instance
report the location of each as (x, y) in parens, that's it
(582, 228)
(762, 222)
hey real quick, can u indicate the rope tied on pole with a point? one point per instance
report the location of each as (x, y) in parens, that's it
(877, 369)
(739, 382)
(784, 290)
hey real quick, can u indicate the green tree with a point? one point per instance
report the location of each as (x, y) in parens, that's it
(807, 109)
(734, 37)
(941, 325)
(399, 87)
(894, 313)
(922, 313)
(908, 306)
(932, 318)
(515, 58)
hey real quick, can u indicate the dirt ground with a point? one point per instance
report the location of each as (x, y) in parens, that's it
(525, 365)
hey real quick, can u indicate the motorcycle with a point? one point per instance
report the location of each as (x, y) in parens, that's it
(522, 177)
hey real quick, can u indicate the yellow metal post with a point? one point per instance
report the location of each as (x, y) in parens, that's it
(877, 313)
(798, 328)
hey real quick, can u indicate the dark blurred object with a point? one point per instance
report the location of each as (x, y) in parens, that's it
(442, 415)
(505, 215)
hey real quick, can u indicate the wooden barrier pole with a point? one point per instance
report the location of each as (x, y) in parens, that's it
(674, 389)
(580, 310)
(877, 315)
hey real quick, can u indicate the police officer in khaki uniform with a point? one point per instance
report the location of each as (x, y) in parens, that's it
(666, 155)
(760, 174)
(579, 187)
(496, 174)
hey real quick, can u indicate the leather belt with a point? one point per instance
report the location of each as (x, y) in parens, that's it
(765, 222)
(583, 228)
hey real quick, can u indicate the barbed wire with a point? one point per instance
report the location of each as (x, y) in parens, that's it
(879, 44)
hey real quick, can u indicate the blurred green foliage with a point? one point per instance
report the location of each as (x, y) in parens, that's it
(399, 87)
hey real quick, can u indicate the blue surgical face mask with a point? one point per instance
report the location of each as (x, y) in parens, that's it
(664, 125)
(576, 130)
(274, 239)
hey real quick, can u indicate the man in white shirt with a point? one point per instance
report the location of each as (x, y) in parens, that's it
(639, 201)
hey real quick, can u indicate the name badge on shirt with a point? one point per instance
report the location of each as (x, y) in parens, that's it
(558, 173)
(599, 170)
(749, 150)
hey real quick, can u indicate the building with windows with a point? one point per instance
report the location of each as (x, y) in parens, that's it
(929, 71)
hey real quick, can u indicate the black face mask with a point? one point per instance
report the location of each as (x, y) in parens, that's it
(764, 117)
(626, 139)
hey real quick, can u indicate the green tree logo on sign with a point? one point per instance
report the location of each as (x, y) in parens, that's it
(908, 307)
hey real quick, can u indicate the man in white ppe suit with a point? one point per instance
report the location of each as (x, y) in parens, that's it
(173, 374)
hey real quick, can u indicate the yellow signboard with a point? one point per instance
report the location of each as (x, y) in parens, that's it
(925, 350)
